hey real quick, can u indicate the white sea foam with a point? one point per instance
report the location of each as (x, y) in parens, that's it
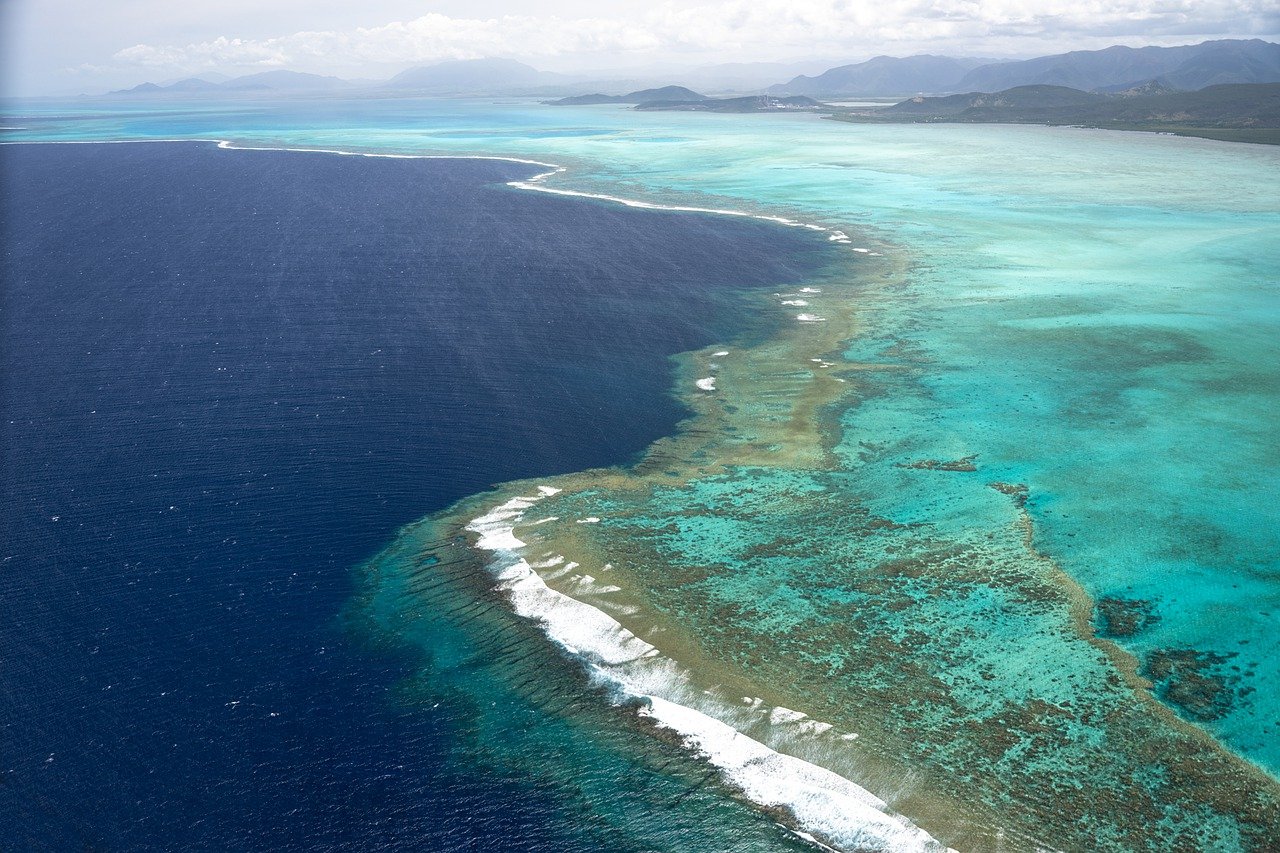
(810, 318)
(810, 290)
(823, 803)
(780, 715)
(798, 302)
(536, 182)
(707, 384)
(720, 354)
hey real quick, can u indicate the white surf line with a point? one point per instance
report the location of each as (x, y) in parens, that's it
(823, 803)
(535, 183)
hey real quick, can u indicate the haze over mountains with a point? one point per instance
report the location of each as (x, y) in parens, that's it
(1229, 105)
(266, 81)
(474, 76)
(884, 75)
(1189, 67)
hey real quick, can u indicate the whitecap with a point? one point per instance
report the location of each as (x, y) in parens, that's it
(821, 801)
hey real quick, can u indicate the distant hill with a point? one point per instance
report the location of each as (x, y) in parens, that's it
(282, 81)
(665, 93)
(749, 104)
(1238, 105)
(884, 75)
(192, 84)
(1186, 67)
(747, 76)
(267, 81)
(140, 89)
(980, 106)
(471, 76)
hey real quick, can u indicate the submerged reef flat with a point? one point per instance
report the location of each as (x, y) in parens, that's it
(743, 570)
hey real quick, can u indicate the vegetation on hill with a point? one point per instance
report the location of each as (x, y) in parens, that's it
(665, 93)
(1247, 112)
(749, 104)
(1238, 105)
(1193, 66)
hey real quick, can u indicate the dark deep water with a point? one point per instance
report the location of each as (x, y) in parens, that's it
(229, 376)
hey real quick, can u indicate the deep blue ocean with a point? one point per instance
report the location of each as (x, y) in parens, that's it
(229, 377)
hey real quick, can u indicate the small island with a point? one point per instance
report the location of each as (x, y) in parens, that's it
(664, 93)
(681, 99)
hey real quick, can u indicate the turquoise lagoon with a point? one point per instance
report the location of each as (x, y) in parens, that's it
(1027, 548)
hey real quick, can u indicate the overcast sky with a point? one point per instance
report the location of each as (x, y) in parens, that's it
(64, 46)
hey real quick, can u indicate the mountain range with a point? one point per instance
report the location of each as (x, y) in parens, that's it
(265, 81)
(1245, 108)
(1188, 67)
(883, 75)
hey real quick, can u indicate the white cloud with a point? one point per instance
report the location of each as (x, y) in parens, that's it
(732, 29)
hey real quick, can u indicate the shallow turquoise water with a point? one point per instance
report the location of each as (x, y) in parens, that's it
(1095, 315)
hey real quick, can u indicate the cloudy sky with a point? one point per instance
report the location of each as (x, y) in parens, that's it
(65, 46)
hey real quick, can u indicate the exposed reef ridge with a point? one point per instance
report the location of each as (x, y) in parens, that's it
(961, 680)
